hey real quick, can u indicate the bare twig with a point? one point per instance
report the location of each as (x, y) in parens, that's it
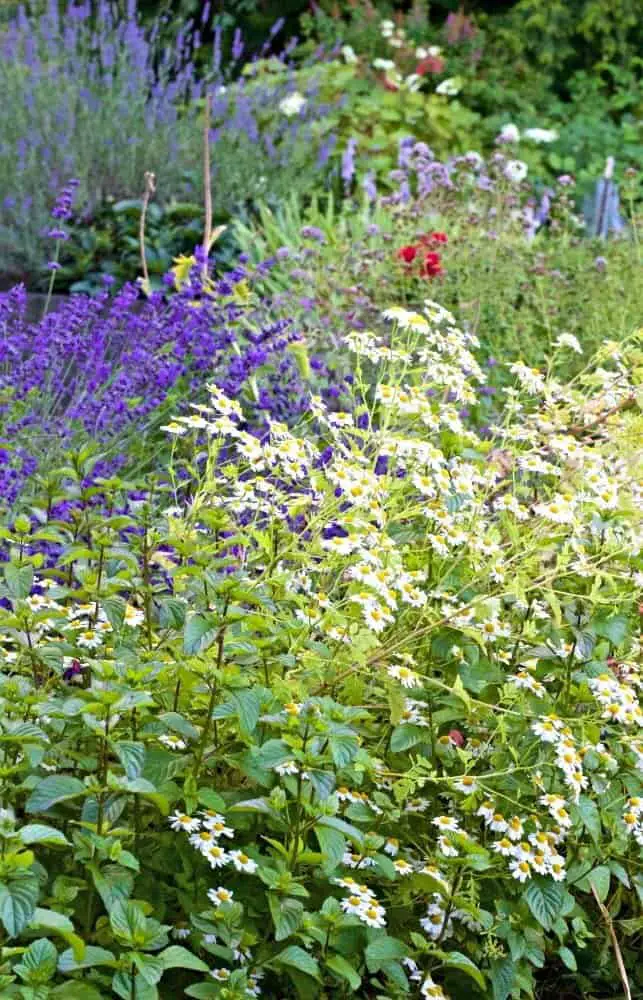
(207, 185)
(607, 917)
(150, 188)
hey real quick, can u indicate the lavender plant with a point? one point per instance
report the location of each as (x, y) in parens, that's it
(107, 369)
(91, 92)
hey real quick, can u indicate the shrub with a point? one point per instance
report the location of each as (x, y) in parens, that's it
(358, 715)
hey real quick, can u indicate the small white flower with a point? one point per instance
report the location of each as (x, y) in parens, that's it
(450, 87)
(509, 133)
(516, 171)
(569, 340)
(520, 870)
(172, 742)
(288, 767)
(292, 104)
(243, 863)
(383, 64)
(180, 821)
(541, 134)
(348, 52)
(220, 896)
(216, 856)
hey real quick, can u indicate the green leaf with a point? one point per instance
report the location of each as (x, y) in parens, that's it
(53, 789)
(590, 816)
(36, 833)
(615, 628)
(382, 950)
(545, 900)
(203, 991)
(404, 737)
(296, 958)
(176, 957)
(332, 843)
(113, 883)
(248, 708)
(76, 991)
(600, 878)
(128, 922)
(287, 915)
(343, 969)
(38, 964)
(19, 580)
(456, 960)
(92, 956)
(179, 724)
(132, 756)
(343, 749)
(199, 633)
(58, 923)
(502, 977)
(335, 823)
(122, 986)
(150, 968)
(17, 904)
(568, 958)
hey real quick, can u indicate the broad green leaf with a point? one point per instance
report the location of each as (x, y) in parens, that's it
(405, 737)
(203, 991)
(76, 991)
(332, 843)
(382, 950)
(122, 987)
(17, 903)
(342, 968)
(58, 923)
(297, 958)
(590, 816)
(128, 922)
(287, 915)
(335, 823)
(113, 883)
(176, 957)
(53, 789)
(38, 964)
(36, 833)
(132, 756)
(199, 633)
(150, 967)
(92, 956)
(600, 878)
(568, 958)
(545, 899)
(19, 580)
(456, 960)
(502, 977)
(248, 708)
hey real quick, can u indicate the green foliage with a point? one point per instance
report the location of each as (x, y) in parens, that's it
(316, 757)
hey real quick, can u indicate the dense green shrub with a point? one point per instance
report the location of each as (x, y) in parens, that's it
(351, 712)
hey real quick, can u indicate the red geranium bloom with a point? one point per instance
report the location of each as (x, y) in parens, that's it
(408, 253)
(432, 264)
(432, 64)
(433, 239)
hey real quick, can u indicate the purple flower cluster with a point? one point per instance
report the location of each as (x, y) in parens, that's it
(90, 91)
(112, 369)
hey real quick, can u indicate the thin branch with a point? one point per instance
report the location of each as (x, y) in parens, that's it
(607, 917)
(150, 188)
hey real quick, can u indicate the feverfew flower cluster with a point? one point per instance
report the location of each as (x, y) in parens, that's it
(411, 536)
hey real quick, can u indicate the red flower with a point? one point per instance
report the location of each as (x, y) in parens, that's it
(432, 265)
(456, 737)
(432, 64)
(408, 253)
(434, 239)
